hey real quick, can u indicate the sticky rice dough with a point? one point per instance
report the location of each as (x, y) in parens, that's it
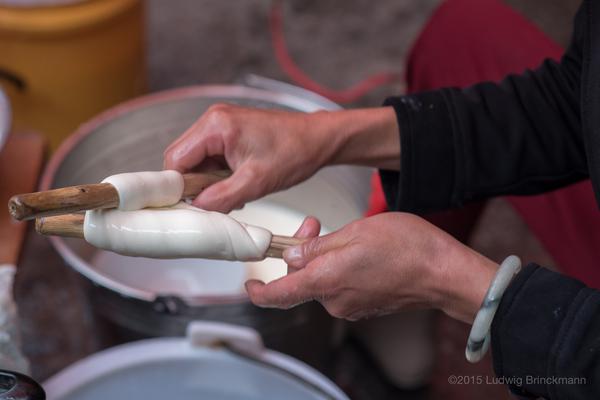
(170, 229)
(181, 231)
(139, 190)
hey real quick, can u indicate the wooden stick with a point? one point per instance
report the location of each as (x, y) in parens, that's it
(93, 196)
(71, 225)
(279, 244)
(194, 183)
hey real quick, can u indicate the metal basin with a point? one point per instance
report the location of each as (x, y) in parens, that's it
(146, 302)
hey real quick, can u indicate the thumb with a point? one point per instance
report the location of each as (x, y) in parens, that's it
(310, 228)
(300, 255)
(241, 187)
(285, 292)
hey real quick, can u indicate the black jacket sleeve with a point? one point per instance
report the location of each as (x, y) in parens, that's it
(521, 136)
(546, 336)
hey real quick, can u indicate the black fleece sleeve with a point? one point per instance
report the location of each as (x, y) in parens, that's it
(546, 336)
(521, 136)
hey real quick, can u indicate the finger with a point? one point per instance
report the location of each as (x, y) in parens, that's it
(169, 155)
(299, 256)
(284, 292)
(310, 228)
(209, 164)
(233, 192)
(196, 127)
(181, 138)
(193, 150)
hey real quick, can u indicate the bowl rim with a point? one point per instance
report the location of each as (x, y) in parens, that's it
(5, 118)
(225, 91)
(132, 355)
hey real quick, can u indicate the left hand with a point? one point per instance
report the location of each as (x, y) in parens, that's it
(380, 265)
(272, 150)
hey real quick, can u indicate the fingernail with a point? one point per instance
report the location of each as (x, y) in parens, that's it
(292, 254)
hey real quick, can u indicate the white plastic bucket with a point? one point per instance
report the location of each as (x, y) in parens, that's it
(216, 361)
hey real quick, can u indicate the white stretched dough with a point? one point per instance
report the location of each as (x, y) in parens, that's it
(139, 190)
(181, 231)
(188, 277)
(276, 218)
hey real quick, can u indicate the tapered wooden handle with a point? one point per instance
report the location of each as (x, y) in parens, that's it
(94, 196)
(71, 225)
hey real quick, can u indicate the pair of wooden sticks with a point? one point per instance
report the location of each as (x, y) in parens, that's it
(54, 209)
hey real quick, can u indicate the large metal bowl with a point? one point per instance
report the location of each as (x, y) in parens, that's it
(131, 137)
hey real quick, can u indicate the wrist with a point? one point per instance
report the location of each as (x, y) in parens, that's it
(367, 137)
(463, 280)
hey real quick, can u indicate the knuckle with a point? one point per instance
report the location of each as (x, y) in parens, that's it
(353, 229)
(310, 284)
(257, 180)
(256, 298)
(331, 282)
(221, 122)
(252, 173)
(220, 115)
(219, 108)
(313, 247)
(336, 310)
(230, 133)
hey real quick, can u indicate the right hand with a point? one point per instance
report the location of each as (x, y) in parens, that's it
(268, 151)
(379, 265)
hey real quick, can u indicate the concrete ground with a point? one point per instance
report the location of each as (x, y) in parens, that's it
(338, 42)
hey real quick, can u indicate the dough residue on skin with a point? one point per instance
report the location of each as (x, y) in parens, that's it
(181, 231)
(139, 190)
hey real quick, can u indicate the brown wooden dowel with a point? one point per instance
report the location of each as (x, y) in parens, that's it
(93, 196)
(71, 225)
(62, 201)
(279, 244)
(194, 183)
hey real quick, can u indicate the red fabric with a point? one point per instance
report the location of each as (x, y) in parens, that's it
(468, 41)
(298, 76)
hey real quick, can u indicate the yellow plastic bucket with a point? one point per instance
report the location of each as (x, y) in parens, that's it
(61, 64)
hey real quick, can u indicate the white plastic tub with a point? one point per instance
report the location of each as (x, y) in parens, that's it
(215, 361)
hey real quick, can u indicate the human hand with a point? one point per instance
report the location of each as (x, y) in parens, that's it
(272, 150)
(380, 265)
